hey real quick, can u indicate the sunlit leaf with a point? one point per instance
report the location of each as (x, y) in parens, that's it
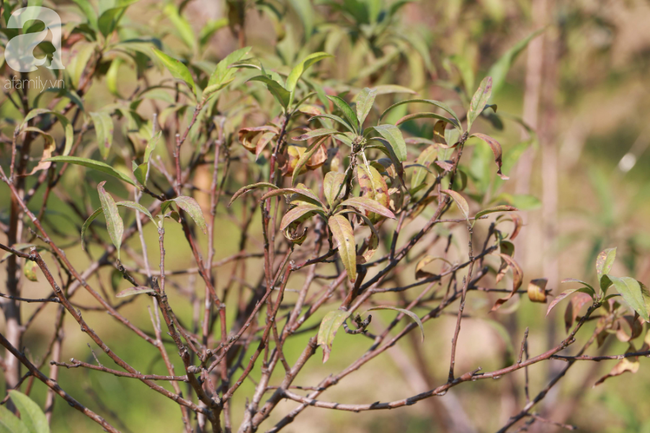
(104, 130)
(365, 100)
(537, 290)
(459, 200)
(634, 293)
(479, 100)
(327, 331)
(333, 186)
(189, 205)
(344, 237)
(369, 205)
(30, 413)
(393, 136)
(178, 70)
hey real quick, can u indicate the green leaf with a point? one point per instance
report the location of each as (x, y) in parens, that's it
(459, 200)
(88, 11)
(333, 186)
(411, 314)
(136, 206)
(104, 130)
(634, 293)
(113, 76)
(300, 68)
(114, 222)
(243, 190)
(182, 26)
(210, 28)
(142, 171)
(365, 100)
(496, 150)
(138, 290)
(110, 18)
(282, 95)
(500, 69)
(223, 74)
(605, 261)
(337, 119)
(79, 57)
(315, 133)
(327, 331)
(370, 205)
(393, 136)
(305, 11)
(438, 104)
(479, 100)
(189, 205)
(87, 223)
(424, 160)
(299, 212)
(96, 165)
(177, 69)
(10, 423)
(414, 116)
(31, 414)
(349, 115)
(502, 208)
(344, 237)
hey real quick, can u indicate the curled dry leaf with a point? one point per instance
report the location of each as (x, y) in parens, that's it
(138, 290)
(496, 149)
(419, 268)
(373, 186)
(537, 290)
(517, 278)
(573, 308)
(255, 139)
(630, 364)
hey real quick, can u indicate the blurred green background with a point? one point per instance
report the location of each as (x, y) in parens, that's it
(582, 84)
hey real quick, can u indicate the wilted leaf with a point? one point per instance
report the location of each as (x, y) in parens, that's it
(368, 205)
(419, 268)
(496, 149)
(243, 190)
(327, 331)
(67, 126)
(411, 314)
(479, 100)
(563, 295)
(502, 208)
(189, 205)
(573, 308)
(630, 364)
(300, 192)
(307, 156)
(459, 200)
(297, 213)
(344, 237)
(517, 279)
(138, 290)
(537, 290)
(48, 148)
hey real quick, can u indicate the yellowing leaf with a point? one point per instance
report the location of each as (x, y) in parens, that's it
(459, 200)
(189, 205)
(480, 98)
(537, 290)
(114, 222)
(344, 237)
(327, 331)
